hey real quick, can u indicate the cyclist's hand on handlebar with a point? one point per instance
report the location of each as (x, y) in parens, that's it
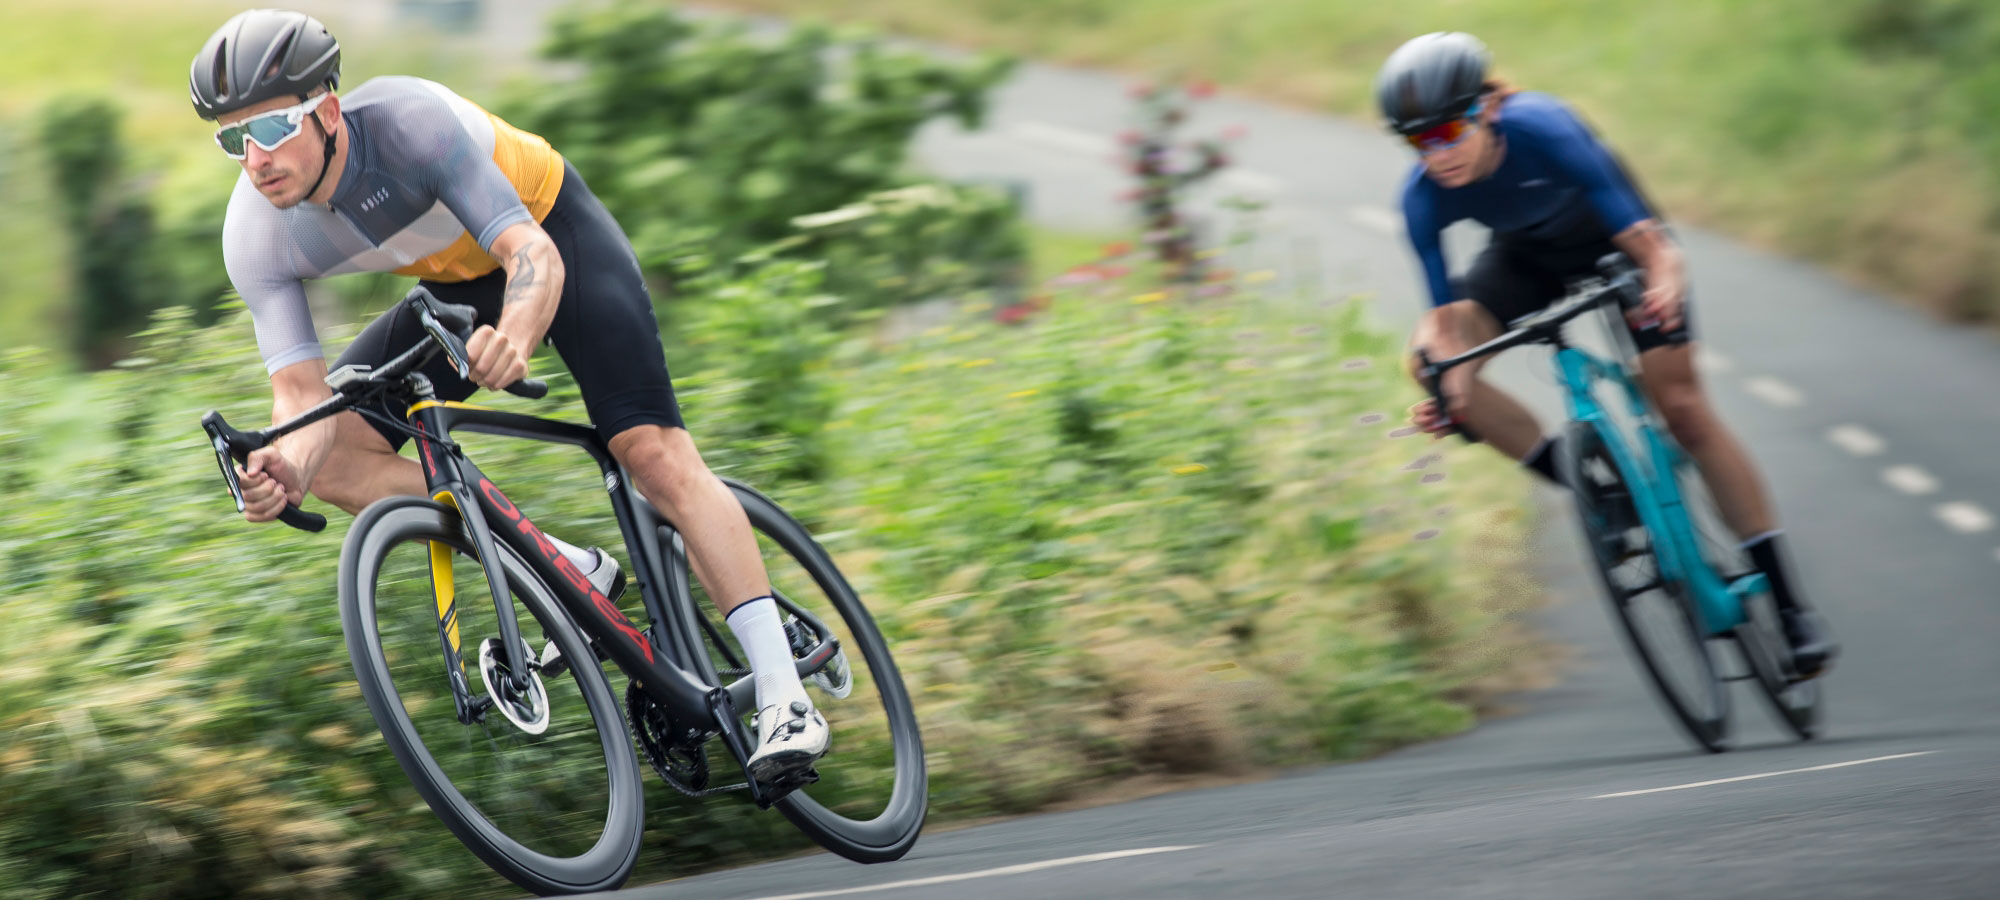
(1426, 417)
(1438, 423)
(497, 360)
(1665, 295)
(269, 481)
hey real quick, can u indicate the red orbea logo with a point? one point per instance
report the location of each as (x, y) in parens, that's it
(568, 569)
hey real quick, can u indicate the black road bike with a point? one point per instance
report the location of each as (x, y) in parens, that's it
(527, 759)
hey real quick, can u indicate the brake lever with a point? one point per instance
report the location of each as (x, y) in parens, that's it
(233, 446)
(1434, 381)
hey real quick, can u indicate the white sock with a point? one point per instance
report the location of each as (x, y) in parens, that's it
(761, 630)
(583, 558)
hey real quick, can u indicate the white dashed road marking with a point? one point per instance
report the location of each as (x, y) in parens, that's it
(984, 873)
(1964, 518)
(1910, 480)
(1857, 440)
(1696, 784)
(1775, 392)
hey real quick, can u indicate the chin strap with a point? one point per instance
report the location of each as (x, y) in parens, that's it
(325, 162)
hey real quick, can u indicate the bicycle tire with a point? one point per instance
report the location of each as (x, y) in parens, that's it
(889, 835)
(1796, 704)
(1701, 708)
(396, 520)
(1759, 639)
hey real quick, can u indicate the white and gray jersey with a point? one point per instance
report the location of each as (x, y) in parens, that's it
(431, 180)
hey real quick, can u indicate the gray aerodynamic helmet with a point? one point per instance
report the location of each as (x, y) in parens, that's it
(260, 54)
(1431, 79)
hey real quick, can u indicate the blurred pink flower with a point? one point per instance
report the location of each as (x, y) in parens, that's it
(1202, 90)
(1235, 133)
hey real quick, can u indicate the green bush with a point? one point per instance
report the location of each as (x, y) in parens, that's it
(707, 142)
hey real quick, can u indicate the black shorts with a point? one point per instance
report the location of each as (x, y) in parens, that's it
(1512, 279)
(603, 328)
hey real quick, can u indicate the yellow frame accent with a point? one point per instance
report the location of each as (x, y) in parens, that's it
(443, 588)
(452, 404)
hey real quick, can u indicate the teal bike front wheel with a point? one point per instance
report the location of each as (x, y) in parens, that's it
(1656, 612)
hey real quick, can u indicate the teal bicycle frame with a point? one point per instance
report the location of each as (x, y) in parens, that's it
(1656, 493)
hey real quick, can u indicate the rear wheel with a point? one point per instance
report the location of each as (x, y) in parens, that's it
(1656, 614)
(1761, 638)
(547, 791)
(871, 797)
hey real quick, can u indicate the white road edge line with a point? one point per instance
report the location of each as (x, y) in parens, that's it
(1775, 392)
(987, 873)
(1912, 480)
(1838, 765)
(1857, 440)
(1964, 518)
(1375, 218)
(1063, 138)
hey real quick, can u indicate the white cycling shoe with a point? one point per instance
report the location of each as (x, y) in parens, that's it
(788, 740)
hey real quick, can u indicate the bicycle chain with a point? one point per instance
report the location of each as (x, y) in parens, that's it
(665, 751)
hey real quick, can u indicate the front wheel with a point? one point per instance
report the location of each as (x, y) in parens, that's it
(1656, 613)
(556, 806)
(872, 794)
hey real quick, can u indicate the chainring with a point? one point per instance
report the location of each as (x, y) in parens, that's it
(680, 757)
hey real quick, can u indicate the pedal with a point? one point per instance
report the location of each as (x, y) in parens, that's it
(774, 791)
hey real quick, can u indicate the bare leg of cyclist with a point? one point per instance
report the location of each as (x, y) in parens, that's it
(1499, 419)
(1671, 381)
(1674, 386)
(670, 473)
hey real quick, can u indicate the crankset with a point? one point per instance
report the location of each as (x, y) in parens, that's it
(676, 752)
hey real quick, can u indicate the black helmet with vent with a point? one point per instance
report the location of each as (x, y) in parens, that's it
(261, 54)
(1431, 79)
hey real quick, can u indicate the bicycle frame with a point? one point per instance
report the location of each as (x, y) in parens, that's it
(667, 663)
(1655, 492)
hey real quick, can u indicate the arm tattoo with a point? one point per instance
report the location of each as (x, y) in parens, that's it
(521, 282)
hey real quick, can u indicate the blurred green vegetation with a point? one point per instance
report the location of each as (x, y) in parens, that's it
(1858, 133)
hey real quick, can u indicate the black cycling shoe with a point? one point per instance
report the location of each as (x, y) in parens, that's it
(1813, 645)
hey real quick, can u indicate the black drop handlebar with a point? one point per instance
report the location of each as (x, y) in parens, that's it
(1622, 282)
(447, 326)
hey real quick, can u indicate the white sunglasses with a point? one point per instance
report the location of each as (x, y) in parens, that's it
(267, 130)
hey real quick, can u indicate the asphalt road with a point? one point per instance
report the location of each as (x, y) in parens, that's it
(1874, 426)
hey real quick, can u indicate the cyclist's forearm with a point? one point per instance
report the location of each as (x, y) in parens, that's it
(1648, 245)
(534, 283)
(294, 390)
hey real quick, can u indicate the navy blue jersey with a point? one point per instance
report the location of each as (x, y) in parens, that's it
(1555, 182)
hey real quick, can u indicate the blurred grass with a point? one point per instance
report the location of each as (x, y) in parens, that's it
(1858, 133)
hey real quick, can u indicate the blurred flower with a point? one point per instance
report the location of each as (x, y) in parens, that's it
(1117, 249)
(1235, 133)
(1013, 314)
(1260, 276)
(1153, 297)
(1202, 90)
